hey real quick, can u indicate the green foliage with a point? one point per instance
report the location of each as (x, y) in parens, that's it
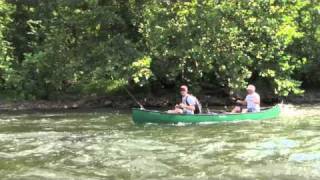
(78, 47)
(308, 47)
(141, 70)
(234, 39)
(51, 48)
(8, 75)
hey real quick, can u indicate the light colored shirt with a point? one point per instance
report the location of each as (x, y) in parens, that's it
(250, 99)
(191, 102)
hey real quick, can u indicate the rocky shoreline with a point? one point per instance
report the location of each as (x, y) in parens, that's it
(125, 102)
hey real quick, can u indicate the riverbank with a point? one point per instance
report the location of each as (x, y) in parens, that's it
(151, 101)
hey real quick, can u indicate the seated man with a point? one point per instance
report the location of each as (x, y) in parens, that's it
(252, 102)
(189, 104)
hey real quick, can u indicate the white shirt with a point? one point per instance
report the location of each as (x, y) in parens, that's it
(189, 100)
(250, 101)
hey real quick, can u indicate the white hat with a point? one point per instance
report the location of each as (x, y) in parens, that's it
(251, 87)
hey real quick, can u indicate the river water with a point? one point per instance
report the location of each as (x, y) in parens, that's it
(106, 144)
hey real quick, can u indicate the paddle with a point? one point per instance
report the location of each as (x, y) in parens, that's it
(132, 96)
(235, 99)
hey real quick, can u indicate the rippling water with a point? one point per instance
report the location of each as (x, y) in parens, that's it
(107, 145)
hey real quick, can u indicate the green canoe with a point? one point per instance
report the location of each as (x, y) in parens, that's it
(150, 116)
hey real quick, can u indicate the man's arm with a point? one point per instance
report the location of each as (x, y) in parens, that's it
(244, 102)
(191, 105)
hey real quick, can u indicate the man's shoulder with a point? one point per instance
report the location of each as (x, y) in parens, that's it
(252, 95)
(191, 98)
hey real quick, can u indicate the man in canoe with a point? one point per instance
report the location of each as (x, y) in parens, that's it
(251, 103)
(189, 104)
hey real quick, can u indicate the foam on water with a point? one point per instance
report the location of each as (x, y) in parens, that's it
(105, 145)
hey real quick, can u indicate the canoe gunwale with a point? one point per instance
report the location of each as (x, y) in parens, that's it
(154, 116)
(221, 114)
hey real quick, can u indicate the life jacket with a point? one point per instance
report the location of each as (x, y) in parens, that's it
(197, 106)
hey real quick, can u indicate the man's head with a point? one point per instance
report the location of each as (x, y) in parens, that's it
(183, 90)
(251, 89)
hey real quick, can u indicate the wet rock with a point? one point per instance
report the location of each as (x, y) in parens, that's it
(75, 106)
(157, 101)
(213, 100)
(107, 103)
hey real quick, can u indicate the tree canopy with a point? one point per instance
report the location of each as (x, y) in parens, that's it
(53, 47)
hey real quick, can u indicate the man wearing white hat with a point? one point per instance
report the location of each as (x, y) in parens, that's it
(252, 101)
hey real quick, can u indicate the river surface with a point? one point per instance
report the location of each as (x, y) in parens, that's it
(106, 144)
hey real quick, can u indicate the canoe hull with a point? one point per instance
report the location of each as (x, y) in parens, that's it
(147, 116)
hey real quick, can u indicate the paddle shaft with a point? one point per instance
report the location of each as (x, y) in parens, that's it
(132, 96)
